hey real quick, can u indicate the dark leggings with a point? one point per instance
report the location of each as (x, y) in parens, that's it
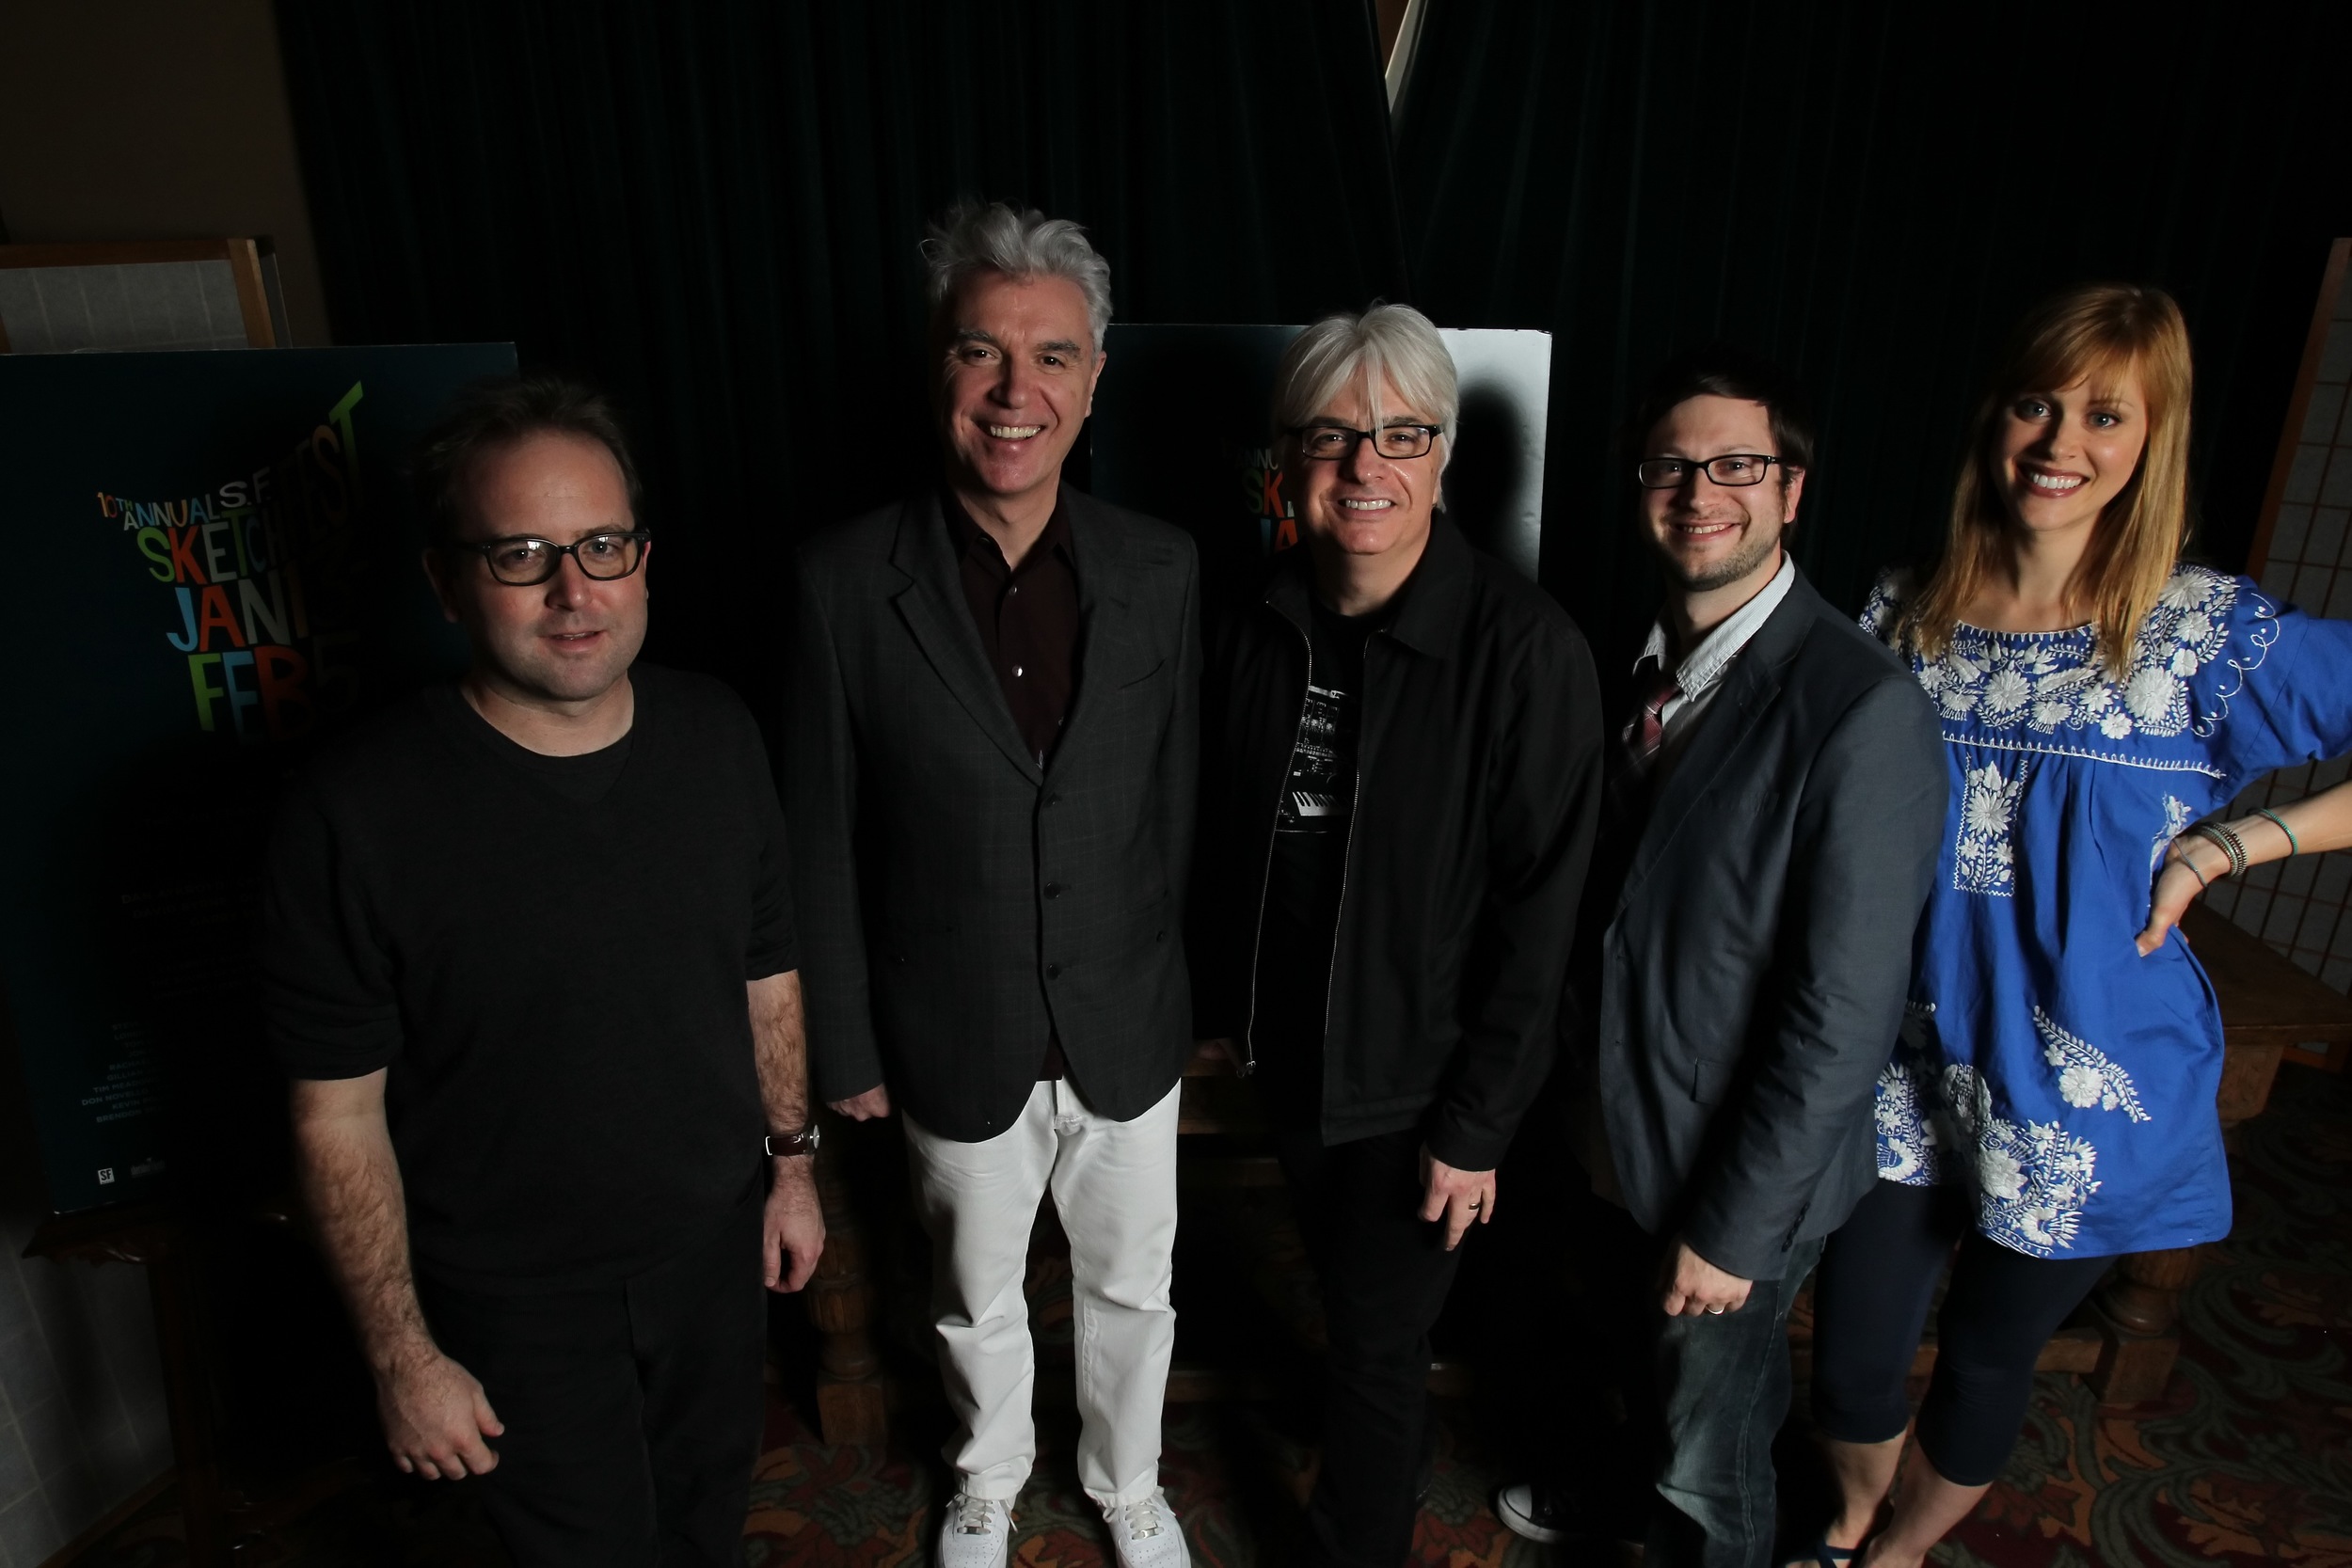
(1870, 1305)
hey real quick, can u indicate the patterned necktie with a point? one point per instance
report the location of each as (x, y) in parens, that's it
(1627, 798)
(1647, 730)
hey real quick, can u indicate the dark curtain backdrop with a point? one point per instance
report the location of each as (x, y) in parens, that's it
(1872, 193)
(713, 210)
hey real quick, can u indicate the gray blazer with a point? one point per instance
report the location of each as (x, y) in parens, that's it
(1754, 971)
(954, 899)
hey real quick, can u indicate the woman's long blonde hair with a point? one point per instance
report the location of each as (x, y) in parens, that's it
(2094, 332)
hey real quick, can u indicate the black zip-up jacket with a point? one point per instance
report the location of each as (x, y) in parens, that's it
(1478, 780)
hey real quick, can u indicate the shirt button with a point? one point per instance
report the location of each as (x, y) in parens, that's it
(1053, 972)
(1016, 672)
(1053, 890)
(1053, 800)
(1015, 589)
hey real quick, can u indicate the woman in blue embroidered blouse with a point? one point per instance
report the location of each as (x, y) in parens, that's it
(2051, 1102)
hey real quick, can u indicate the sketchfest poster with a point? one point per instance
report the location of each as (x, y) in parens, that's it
(225, 572)
(1180, 433)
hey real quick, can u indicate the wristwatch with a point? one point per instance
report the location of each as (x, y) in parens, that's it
(783, 1146)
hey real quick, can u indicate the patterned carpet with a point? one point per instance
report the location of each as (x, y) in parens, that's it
(2247, 1459)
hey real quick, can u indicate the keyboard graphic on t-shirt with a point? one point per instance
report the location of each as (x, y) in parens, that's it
(1322, 766)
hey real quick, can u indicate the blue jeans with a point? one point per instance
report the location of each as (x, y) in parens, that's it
(1720, 1391)
(1690, 1469)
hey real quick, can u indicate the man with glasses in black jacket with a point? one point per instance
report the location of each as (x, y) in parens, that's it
(1404, 773)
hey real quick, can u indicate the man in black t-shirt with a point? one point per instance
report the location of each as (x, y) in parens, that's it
(529, 961)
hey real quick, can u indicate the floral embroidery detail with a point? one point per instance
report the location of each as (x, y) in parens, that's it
(2033, 1180)
(2043, 684)
(1984, 857)
(2005, 693)
(2087, 1075)
(1906, 1131)
(2259, 637)
(1906, 1138)
(2149, 692)
(1885, 603)
(2177, 815)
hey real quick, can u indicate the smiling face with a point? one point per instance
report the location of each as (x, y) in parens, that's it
(1017, 383)
(1364, 504)
(1710, 535)
(570, 639)
(2060, 457)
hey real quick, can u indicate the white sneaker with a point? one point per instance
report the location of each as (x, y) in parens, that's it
(1531, 1511)
(977, 1533)
(1146, 1533)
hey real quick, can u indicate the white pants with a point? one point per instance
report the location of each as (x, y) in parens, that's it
(1114, 1185)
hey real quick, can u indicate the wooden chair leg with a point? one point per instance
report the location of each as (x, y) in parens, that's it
(840, 1302)
(2138, 1313)
(202, 1507)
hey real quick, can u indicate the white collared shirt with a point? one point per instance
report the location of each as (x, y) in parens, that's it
(1701, 672)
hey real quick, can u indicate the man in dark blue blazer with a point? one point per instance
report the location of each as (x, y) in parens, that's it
(1775, 804)
(995, 756)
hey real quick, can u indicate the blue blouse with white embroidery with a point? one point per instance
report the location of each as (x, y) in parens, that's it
(2043, 1060)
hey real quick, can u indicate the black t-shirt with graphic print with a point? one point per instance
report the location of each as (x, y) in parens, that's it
(1308, 869)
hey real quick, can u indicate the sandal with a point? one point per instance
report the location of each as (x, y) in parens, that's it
(1822, 1555)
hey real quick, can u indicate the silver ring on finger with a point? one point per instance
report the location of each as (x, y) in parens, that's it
(1714, 1311)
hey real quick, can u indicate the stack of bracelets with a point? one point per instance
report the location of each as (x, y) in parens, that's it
(2226, 841)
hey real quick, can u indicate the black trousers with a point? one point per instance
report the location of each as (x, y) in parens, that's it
(633, 1411)
(1870, 1304)
(1385, 1273)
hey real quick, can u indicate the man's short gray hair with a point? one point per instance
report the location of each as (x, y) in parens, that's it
(1394, 344)
(972, 238)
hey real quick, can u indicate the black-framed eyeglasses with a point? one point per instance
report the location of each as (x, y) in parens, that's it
(526, 563)
(1328, 443)
(1732, 468)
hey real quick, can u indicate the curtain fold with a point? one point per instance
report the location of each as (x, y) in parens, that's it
(713, 210)
(1871, 193)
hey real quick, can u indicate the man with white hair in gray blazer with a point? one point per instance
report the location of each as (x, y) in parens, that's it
(994, 749)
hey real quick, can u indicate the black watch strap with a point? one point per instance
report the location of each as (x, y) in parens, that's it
(786, 1144)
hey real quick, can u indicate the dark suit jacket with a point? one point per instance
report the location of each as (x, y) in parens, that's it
(956, 900)
(1753, 971)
